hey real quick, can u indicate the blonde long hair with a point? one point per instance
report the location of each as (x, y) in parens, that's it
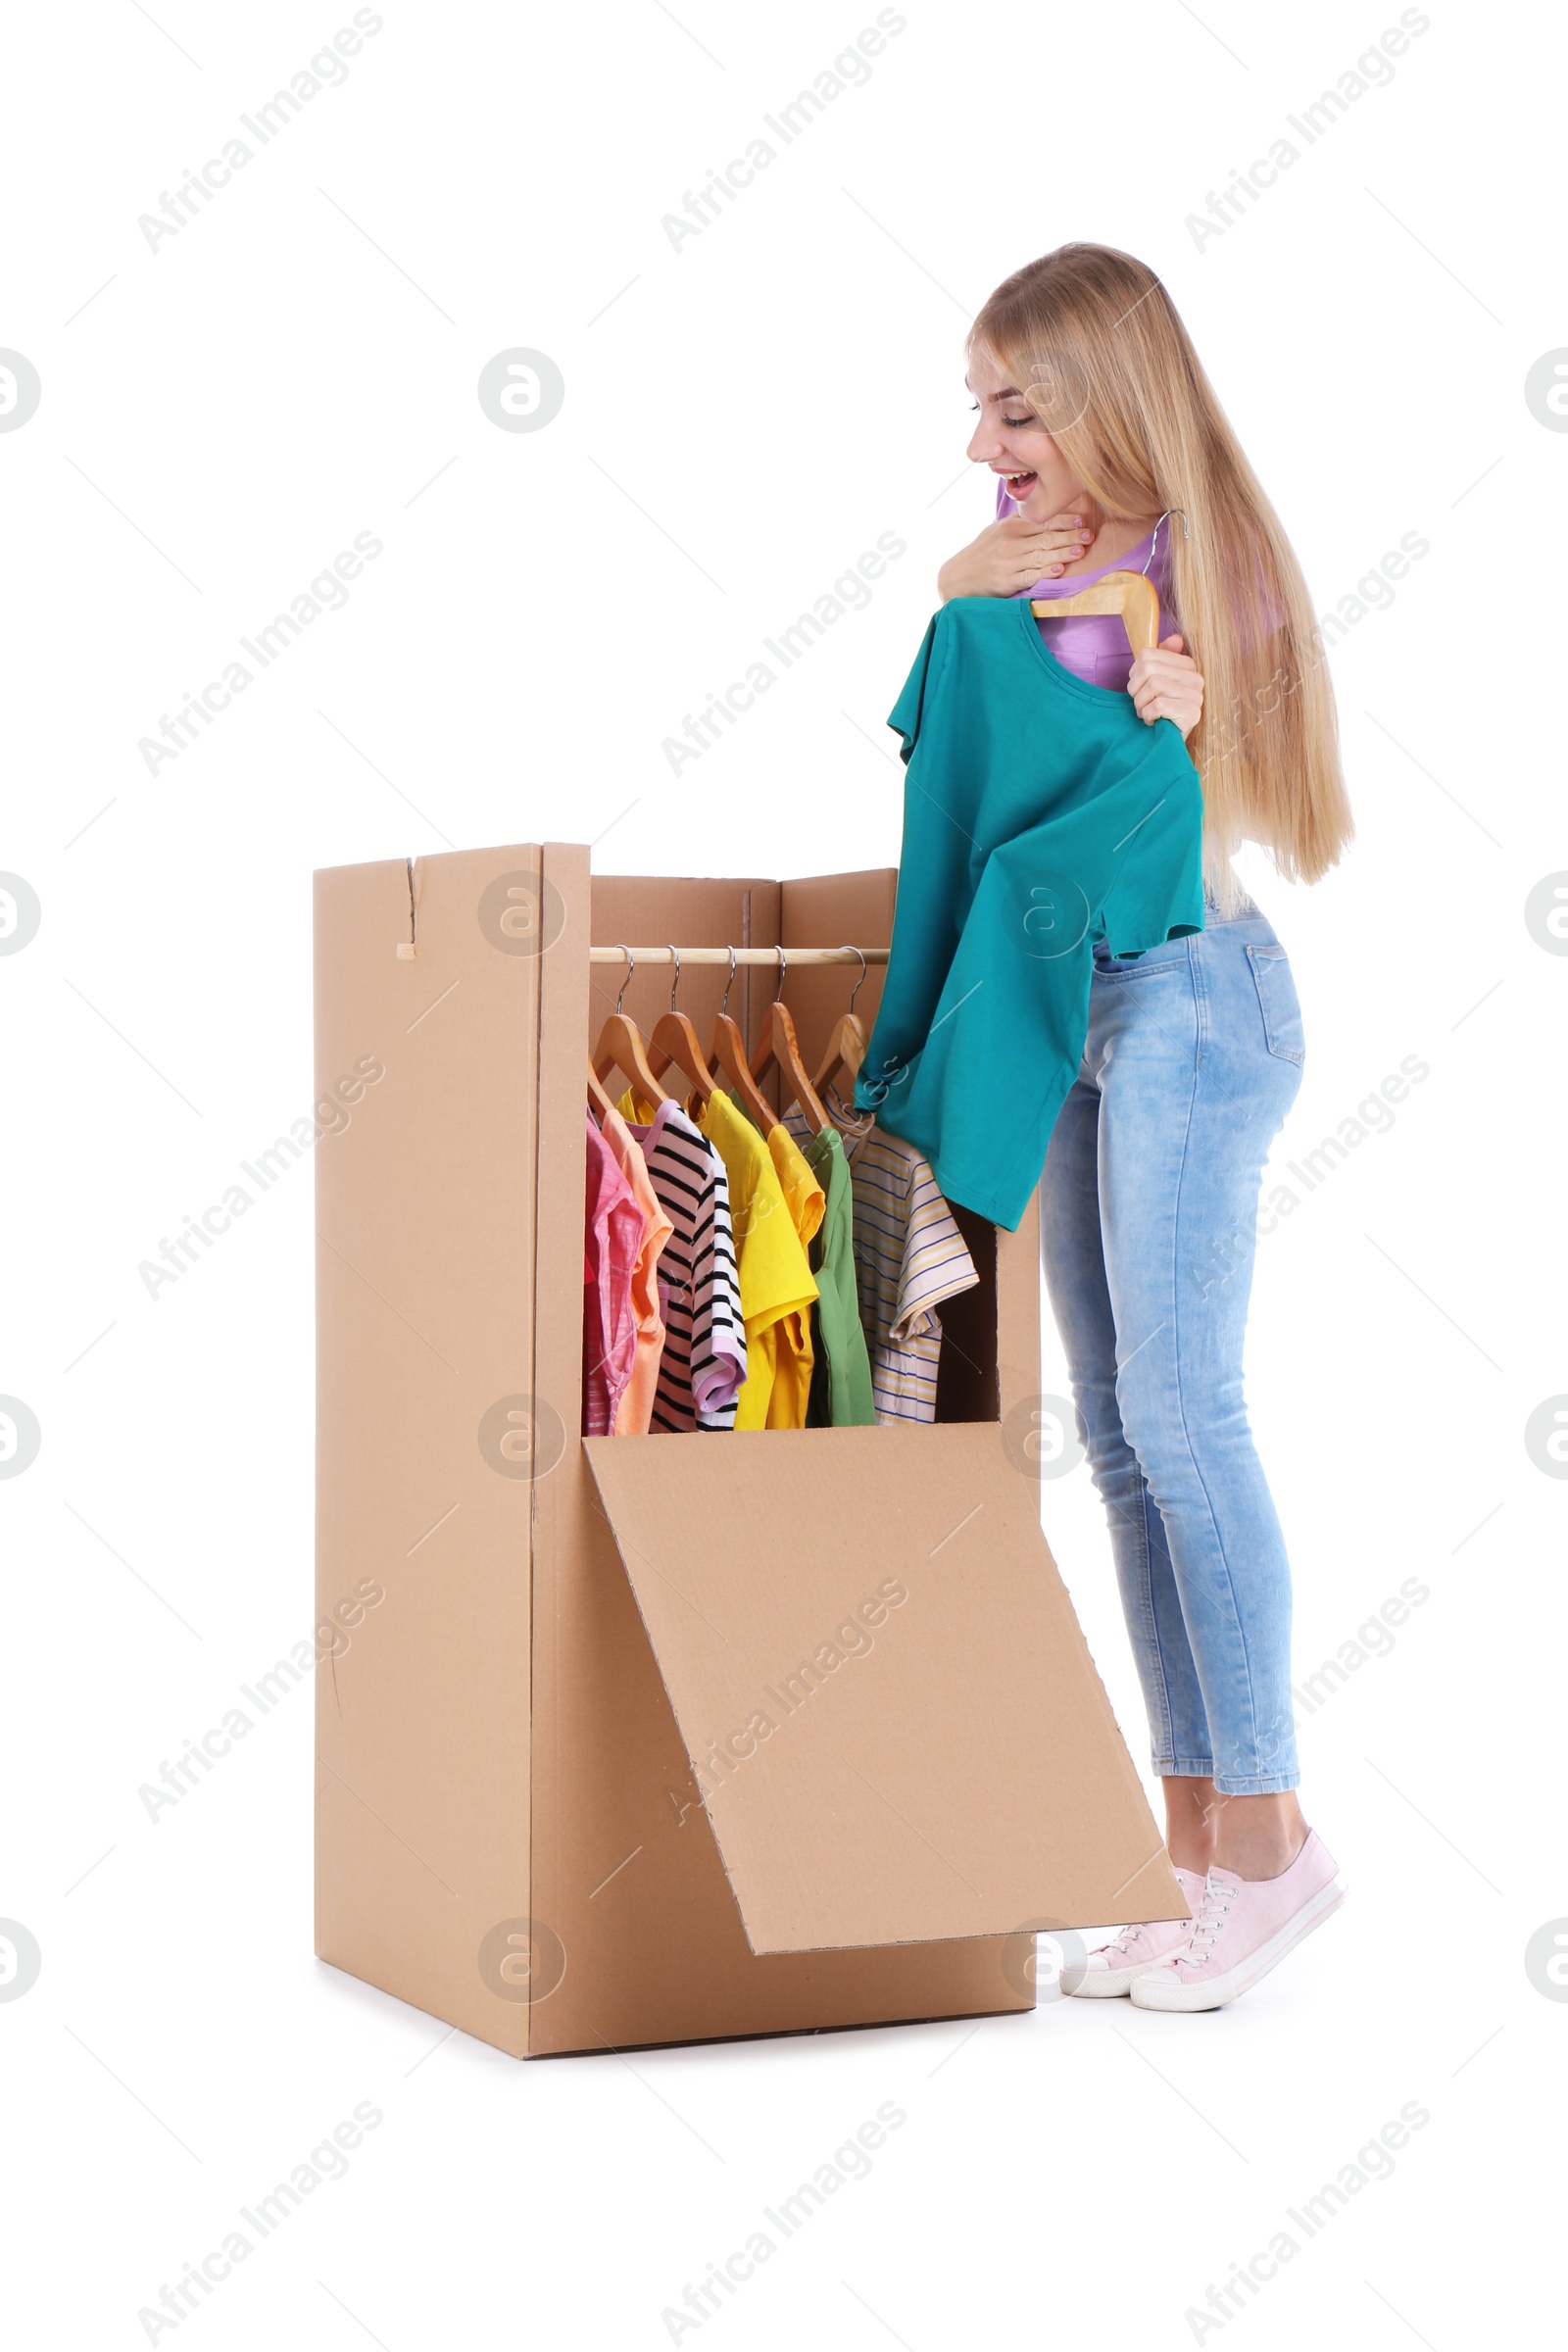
(1093, 342)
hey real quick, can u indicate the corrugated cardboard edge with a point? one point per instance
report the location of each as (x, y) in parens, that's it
(561, 1140)
(423, 1725)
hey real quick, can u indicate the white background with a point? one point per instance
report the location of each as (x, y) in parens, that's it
(743, 416)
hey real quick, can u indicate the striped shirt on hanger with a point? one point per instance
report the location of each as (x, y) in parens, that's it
(704, 1359)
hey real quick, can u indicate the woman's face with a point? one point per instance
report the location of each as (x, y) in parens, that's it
(1010, 439)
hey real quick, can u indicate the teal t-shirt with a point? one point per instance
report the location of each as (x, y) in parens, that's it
(1040, 815)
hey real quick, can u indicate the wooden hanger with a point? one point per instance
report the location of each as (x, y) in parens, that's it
(1128, 593)
(780, 1044)
(726, 1051)
(595, 1092)
(846, 1048)
(620, 1048)
(675, 1041)
(1132, 594)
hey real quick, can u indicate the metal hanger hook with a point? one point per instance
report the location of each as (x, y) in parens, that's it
(674, 985)
(1154, 536)
(847, 950)
(724, 1010)
(631, 968)
(783, 971)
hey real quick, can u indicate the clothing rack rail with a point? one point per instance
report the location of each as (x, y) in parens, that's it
(793, 956)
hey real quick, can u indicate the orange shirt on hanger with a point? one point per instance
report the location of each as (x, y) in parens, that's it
(634, 1416)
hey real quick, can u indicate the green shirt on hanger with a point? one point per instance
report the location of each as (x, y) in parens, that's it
(1040, 814)
(841, 1375)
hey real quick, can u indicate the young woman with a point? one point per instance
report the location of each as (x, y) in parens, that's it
(1113, 452)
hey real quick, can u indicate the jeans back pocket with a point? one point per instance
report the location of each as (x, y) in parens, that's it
(1279, 1004)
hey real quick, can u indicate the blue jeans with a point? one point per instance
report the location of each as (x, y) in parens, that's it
(1149, 1206)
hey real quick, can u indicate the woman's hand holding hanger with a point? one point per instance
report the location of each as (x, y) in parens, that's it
(1165, 683)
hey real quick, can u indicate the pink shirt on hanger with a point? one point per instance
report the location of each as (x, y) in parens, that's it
(613, 1236)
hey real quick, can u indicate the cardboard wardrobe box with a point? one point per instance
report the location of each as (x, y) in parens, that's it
(660, 1738)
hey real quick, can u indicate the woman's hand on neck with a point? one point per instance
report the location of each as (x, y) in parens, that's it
(1117, 536)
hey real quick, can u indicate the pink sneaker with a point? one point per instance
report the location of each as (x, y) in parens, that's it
(1112, 1968)
(1242, 1928)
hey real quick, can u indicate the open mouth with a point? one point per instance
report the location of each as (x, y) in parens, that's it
(1019, 485)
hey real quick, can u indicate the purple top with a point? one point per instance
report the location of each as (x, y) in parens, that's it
(1093, 645)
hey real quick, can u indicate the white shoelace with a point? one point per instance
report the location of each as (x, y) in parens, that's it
(1126, 1939)
(1209, 1925)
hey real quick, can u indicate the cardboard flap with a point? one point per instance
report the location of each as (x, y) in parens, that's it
(891, 1716)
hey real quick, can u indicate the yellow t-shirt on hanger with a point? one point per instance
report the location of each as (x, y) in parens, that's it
(776, 1283)
(803, 1190)
(806, 1204)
